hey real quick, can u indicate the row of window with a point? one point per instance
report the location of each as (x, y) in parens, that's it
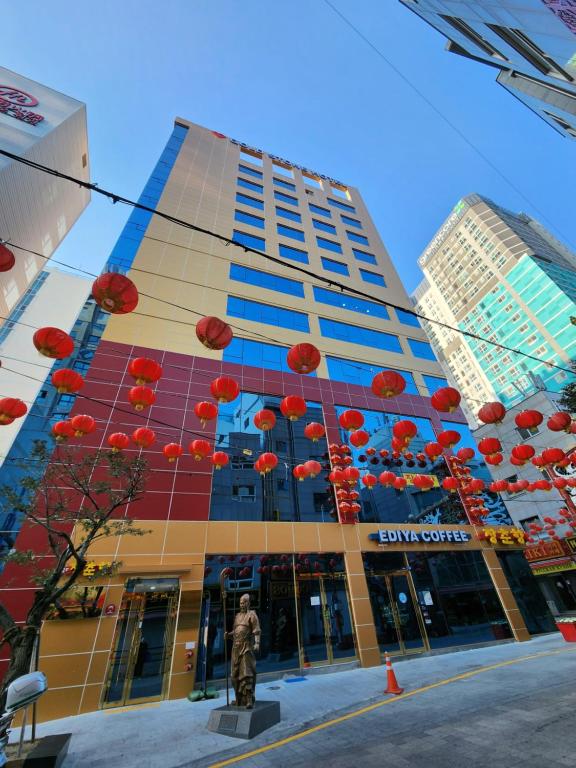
(297, 234)
(281, 197)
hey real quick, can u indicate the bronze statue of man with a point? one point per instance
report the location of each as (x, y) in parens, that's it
(246, 643)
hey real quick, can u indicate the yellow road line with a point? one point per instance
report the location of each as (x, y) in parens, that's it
(372, 707)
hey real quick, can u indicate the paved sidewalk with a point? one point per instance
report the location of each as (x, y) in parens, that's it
(173, 734)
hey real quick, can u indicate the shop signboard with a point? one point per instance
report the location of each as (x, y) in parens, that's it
(544, 550)
(422, 535)
(571, 543)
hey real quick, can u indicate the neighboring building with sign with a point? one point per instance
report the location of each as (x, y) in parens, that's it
(554, 563)
(37, 210)
(326, 593)
(531, 42)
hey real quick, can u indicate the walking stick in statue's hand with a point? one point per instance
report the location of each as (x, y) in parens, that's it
(224, 573)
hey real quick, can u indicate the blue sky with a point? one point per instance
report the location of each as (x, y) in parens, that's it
(293, 79)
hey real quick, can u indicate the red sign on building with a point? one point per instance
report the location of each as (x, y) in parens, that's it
(15, 103)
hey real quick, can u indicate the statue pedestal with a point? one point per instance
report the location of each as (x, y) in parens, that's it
(244, 723)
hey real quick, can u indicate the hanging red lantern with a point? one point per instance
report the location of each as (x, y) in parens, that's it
(492, 413)
(144, 370)
(115, 293)
(141, 397)
(388, 384)
(220, 459)
(370, 451)
(314, 431)
(538, 462)
(542, 485)
(384, 453)
(494, 459)
(118, 441)
(387, 478)
(528, 419)
(313, 467)
(359, 438)
(445, 399)
(300, 472)
(560, 483)
(355, 508)
(449, 438)
(52, 342)
(553, 455)
(172, 451)
(268, 461)
(82, 424)
(489, 445)
(369, 480)
(67, 381)
(476, 485)
(199, 449)
(143, 437)
(11, 408)
(498, 486)
(62, 430)
(265, 420)
(351, 475)
(423, 482)
(293, 407)
(450, 484)
(404, 430)
(205, 411)
(303, 358)
(522, 452)
(433, 450)
(560, 421)
(400, 483)
(224, 389)
(337, 477)
(465, 454)
(7, 258)
(213, 333)
(351, 420)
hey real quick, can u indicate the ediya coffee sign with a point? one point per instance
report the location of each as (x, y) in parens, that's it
(17, 103)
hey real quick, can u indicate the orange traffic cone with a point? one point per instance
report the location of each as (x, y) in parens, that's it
(392, 683)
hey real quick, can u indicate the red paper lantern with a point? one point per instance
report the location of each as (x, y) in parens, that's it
(542, 485)
(205, 411)
(369, 480)
(220, 459)
(213, 333)
(432, 450)
(313, 467)
(351, 420)
(446, 399)
(303, 358)
(7, 259)
(351, 475)
(359, 438)
(82, 424)
(172, 451)
(404, 430)
(560, 483)
(560, 421)
(118, 441)
(553, 455)
(494, 459)
(62, 430)
(144, 370)
(300, 472)
(224, 389)
(522, 452)
(54, 343)
(67, 381)
(489, 445)
(293, 407)
(143, 437)
(314, 431)
(400, 483)
(498, 486)
(337, 477)
(387, 478)
(268, 461)
(199, 449)
(539, 462)
(449, 438)
(115, 293)
(476, 485)
(465, 454)
(141, 397)
(450, 484)
(528, 419)
(388, 384)
(11, 408)
(423, 482)
(265, 420)
(492, 413)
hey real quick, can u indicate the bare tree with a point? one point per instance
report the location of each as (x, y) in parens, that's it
(76, 502)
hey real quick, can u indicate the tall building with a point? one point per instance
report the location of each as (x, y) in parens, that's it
(530, 42)
(502, 276)
(410, 575)
(37, 210)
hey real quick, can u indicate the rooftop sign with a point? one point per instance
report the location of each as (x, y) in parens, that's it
(15, 103)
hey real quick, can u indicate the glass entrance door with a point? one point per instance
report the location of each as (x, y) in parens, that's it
(325, 624)
(143, 642)
(397, 616)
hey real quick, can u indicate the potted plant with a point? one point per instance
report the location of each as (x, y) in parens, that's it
(567, 625)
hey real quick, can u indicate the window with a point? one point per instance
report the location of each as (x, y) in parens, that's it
(361, 374)
(528, 49)
(340, 204)
(372, 277)
(323, 226)
(312, 181)
(251, 241)
(250, 185)
(284, 184)
(319, 210)
(295, 254)
(369, 258)
(248, 218)
(421, 349)
(288, 214)
(247, 200)
(474, 37)
(433, 383)
(250, 171)
(406, 318)
(333, 329)
(328, 245)
(526, 434)
(350, 303)
(350, 221)
(285, 198)
(357, 238)
(335, 266)
(283, 169)
(265, 313)
(265, 280)
(256, 353)
(250, 157)
(295, 234)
